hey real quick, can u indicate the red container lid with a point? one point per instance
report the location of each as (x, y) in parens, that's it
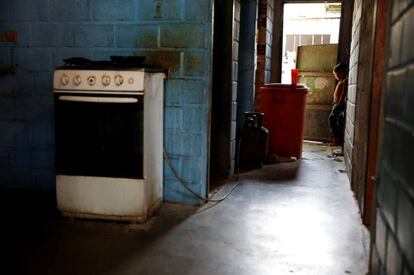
(279, 87)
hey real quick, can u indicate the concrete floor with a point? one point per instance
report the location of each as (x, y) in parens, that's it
(291, 218)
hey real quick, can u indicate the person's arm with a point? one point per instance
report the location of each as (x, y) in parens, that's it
(344, 88)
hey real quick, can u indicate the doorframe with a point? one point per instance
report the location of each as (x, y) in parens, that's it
(378, 81)
(345, 32)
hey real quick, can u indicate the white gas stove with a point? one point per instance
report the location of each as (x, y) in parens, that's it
(109, 138)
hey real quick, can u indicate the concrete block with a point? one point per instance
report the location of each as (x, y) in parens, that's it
(408, 111)
(234, 111)
(8, 132)
(234, 91)
(394, 258)
(200, 10)
(33, 60)
(194, 118)
(236, 31)
(25, 108)
(404, 142)
(24, 35)
(7, 107)
(395, 93)
(57, 35)
(25, 84)
(389, 198)
(235, 51)
(405, 225)
(237, 8)
(23, 157)
(24, 10)
(34, 108)
(159, 10)
(233, 130)
(180, 91)
(43, 84)
(394, 54)
(235, 71)
(23, 134)
(168, 60)
(74, 10)
(352, 93)
(182, 36)
(114, 10)
(4, 11)
(8, 85)
(350, 111)
(408, 36)
(42, 158)
(381, 237)
(93, 35)
(5, 56)
(233, 145)
(173, 118)
(5, 157)
(136, 36)
(194, 63)
(42, 134)
(269, 39)
(388, 141)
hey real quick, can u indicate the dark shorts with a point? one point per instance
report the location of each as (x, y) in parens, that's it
(337, 121)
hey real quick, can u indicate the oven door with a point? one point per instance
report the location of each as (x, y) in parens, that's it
(99, 136)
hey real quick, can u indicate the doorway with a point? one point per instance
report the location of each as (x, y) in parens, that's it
(310, 44)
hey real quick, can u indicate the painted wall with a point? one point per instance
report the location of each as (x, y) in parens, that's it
(359, 96)
(173, 34)
(393, 250)
(352, 88)
(264, 41)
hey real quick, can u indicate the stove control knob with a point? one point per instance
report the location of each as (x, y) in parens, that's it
(106, 80)
(77, 80)
(91, 80)
(130, 80)
(119, 80)
(64, 79)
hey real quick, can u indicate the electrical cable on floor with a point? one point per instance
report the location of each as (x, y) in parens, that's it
(181, 181)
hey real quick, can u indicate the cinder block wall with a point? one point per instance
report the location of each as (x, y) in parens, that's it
(235, 73)
(264, 41)
(352, 87)
(393, 250)
(359, 96)
(173, 34)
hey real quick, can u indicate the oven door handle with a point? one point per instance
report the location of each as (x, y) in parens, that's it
(97, 99)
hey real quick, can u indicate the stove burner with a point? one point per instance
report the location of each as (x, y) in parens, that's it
(115, 62)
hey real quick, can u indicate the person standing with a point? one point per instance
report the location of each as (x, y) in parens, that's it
(337, 115)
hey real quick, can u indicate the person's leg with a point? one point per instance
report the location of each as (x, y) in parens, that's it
(335, 124)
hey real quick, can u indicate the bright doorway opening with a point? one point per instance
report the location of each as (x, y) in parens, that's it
(307, 24)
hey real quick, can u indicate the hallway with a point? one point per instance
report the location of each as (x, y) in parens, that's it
(291, 218)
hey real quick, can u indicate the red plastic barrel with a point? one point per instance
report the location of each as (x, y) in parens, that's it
(283, 106)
